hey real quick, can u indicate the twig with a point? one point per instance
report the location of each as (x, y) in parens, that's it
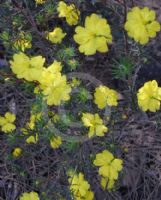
(125, 34)
(132, 2)
(29, 16)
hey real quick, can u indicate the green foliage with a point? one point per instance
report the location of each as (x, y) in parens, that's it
(12, 139)
(66, 118)
(71, 146)
(66, 53)
(27, 87)
(50, 9)
(123, 69)
(83, 95)
(17, 21)
(5, 38)
(72, 64)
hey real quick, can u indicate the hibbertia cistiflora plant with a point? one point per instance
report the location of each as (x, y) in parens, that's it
(92, 34)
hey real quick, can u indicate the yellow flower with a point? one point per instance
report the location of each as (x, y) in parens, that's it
(40, 1)
(33, 119)
(95, 123)
(32, 139)
(58, 90)
(31, 126)
(27, 68)
(7, 122)
(105, 96)
(56, 35)
(141, 24)
(71, 13)
(24, 131)
(55, 142)
(56, 118)
(55, 67)
(48, 76)
(88, 196)
(17, 152)
(108, 166)
(23, 42)
(149, 96)
(80, 188)
(37, 90)
(75, 82)
(29, 196)
(107, 183)
(94, 36)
